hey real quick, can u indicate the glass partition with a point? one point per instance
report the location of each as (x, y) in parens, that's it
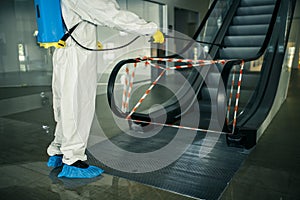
(215, 22)
(22, 61)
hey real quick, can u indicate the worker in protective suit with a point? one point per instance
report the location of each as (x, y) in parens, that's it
(75, 79)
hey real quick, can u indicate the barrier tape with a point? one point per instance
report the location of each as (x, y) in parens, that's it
(196, 63)
(230, 97)
(185, 60)
(124, 96)
(146, 94)
(176, 126)
(130, 87)
(182, 66)
(238, 96)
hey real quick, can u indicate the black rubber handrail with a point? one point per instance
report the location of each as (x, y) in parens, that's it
(249, 125)
(228, 66)
(226, 69)
(243, 118)
(111, 86)
(111, 81)
(271, 72)
(269, 33)
(266, 40)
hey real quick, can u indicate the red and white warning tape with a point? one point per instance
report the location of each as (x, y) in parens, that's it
(237, 98)
(192, 63)
(130, 86)
(185, 60)
(181, 66)
(124, 96)
(145, 95)
(230, 96)
(177, 126)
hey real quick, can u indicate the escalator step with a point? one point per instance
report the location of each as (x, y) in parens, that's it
(257, 2)
(252, 19)
(244, 41)
(238, 52)
(260, 29)
(255, 10)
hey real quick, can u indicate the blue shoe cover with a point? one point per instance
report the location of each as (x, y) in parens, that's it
(76, 172)
(55, 161)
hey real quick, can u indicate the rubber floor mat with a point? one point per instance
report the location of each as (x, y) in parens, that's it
(203, 177)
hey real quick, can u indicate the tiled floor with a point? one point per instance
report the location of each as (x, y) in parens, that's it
(271, 171)
(24, 174)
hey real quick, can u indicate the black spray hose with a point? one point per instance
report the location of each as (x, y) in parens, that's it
(134, 39)
(108, 49)
(70, 31)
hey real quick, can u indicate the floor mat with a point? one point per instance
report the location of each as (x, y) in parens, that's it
(193, 174)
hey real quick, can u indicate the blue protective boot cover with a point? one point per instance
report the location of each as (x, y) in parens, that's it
(69, 171)
(55, 161)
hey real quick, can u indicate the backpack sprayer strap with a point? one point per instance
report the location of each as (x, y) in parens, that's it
(62, 42)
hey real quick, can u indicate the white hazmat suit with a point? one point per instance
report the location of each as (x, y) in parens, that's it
(75, 74)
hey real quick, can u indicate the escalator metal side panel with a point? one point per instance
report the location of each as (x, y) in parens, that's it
(270, 102)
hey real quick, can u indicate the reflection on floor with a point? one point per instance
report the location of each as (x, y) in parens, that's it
(271, 171)
(24, 174)
(198, 164)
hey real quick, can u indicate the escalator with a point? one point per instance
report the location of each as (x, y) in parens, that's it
(245, 39)
(260, 39)
(250, 30)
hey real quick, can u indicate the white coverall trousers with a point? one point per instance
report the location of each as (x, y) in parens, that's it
(74, 92)
(75, 72)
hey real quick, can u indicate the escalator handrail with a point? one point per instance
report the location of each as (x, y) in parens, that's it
(266, 40)
(116, 69)
(269, 33)
(245, 121)
(228, 66)
(242, 119)
(111, 85)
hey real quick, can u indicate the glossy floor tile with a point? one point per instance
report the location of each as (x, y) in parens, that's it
(24, 174)
(272, 170)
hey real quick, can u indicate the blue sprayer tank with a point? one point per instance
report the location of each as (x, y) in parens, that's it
(49, 22)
